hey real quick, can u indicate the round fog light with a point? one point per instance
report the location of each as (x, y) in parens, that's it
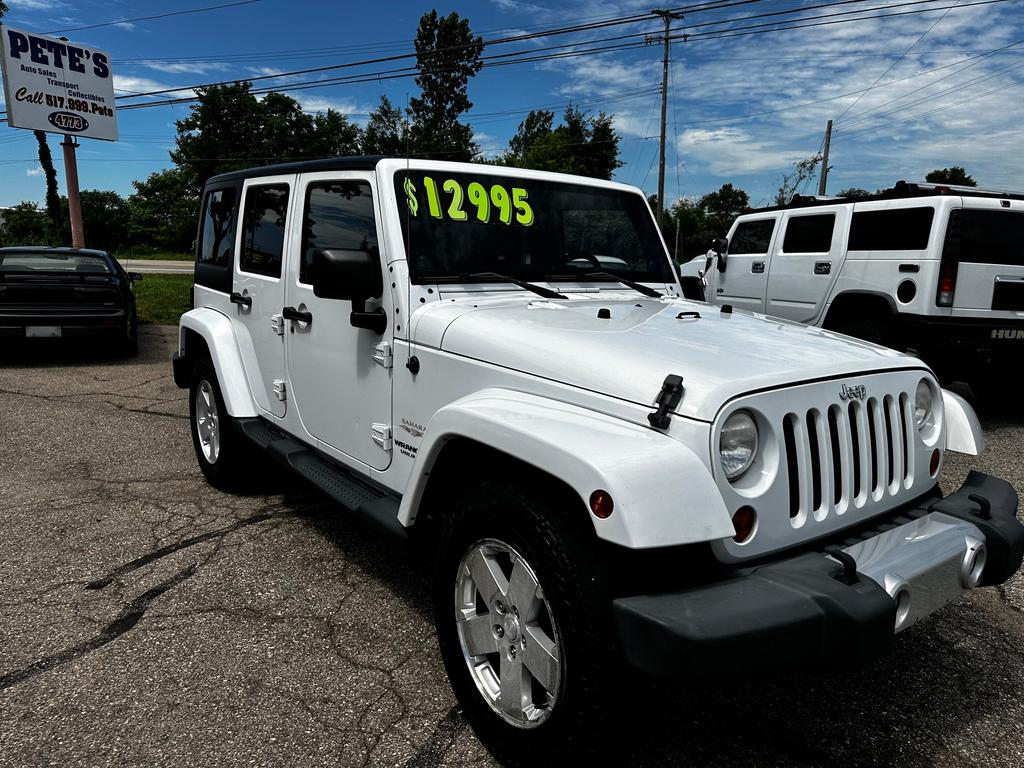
(744, 521)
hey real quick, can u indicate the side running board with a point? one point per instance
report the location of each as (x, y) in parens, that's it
(376, 508)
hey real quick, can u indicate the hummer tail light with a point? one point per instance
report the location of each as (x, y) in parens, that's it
(947, 284)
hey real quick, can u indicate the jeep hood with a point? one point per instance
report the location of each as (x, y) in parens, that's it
(625, 348)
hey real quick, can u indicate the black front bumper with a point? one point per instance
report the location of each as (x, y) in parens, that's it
(803, 613)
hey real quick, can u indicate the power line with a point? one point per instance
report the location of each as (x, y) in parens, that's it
(898, 60)
(155, 16)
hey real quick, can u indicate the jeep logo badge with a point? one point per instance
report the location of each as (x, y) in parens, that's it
(68, 121)
(857, 391)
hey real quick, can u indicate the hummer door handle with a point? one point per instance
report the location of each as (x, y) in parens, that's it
(757, 267)
(822, 267)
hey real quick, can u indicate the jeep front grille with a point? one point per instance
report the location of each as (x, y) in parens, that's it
(847, 454)
(832, 454)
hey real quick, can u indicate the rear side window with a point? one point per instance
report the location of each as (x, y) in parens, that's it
(985, 237)
(752, 237)
(217, 236)
(899, 229)
(263, 228)
(339, 216)
(809, 234)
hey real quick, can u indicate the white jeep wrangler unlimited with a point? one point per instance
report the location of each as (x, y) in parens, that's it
(934, 269)
(495, 365)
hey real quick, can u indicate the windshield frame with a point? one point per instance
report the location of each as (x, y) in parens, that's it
(644, 228)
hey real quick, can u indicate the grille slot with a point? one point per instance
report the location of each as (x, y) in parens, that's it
(843, 456)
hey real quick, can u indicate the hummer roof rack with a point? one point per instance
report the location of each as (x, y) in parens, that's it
(901, 189)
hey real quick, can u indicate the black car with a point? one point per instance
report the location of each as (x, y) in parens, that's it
(67, 293)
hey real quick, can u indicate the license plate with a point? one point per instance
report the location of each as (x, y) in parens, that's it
(42, 331)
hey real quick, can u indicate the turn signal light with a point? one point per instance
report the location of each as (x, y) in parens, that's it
(744, 522)
(601, 504)
(947, 284)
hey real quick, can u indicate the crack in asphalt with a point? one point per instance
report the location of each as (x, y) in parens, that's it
(125, 621)
(440, 741)
(157, 554)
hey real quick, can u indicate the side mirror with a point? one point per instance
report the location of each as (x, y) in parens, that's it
(135, 276)
(351, 275)
(721, 248)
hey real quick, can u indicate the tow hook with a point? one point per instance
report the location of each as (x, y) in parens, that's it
(849, 575)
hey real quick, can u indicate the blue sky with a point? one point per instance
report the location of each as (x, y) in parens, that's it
(924, 91)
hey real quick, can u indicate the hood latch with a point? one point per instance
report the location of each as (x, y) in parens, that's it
(668, 398)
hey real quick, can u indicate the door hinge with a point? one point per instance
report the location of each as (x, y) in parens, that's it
(277, 323)
(280, 389)
(381, 434)
(382, 355)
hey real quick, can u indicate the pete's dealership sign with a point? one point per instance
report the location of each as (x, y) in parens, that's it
(57, 86)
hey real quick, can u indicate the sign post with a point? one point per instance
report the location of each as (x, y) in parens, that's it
(58, 86)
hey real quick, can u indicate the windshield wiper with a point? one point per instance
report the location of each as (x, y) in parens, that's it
(547, 293)
(628, 283)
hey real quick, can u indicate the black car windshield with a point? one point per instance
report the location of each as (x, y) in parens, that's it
(456, 225)
(53, 261)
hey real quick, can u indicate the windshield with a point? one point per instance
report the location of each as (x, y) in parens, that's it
(458, 224)
(41, 261)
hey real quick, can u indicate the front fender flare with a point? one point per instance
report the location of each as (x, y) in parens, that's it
(216, 331)
(663, 493)
(963, 430)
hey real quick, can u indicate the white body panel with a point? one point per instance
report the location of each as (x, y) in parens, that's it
(216, 329)
(663, 494)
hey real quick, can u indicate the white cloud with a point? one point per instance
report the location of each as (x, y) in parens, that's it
(732, 151)
(34, 172)
(185, 67)
(36, 5)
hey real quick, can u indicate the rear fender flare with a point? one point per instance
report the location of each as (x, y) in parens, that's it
(215, 329)
(663, 494)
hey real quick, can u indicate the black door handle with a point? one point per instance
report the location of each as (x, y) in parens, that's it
(245, 301)
(757, 267)
(822, 267)
(291, 313)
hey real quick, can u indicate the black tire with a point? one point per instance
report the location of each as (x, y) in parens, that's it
(225, 469)
(130, 345)
(583, 723)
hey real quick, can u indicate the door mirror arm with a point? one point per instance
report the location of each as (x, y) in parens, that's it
(376, 321)
(720, 249)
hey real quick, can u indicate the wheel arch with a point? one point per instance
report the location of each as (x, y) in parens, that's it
(847, 304)
(663, 495)
(206, 333)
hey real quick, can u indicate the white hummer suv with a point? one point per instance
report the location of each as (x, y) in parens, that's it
(494, 365)
(934, 269)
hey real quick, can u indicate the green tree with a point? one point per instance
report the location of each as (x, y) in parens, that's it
(104, 219)
(954, 175)
(447, 56)
(163, 212)
(583, 144)
(229, 128)
(53, 209)
(721, 207)
(853, 192)
(385, 132)
(25, 224)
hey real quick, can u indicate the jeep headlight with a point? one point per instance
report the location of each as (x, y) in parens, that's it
(924, 401)
(737, 444)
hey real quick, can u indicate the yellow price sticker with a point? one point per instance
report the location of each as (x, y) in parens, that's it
(491, 204)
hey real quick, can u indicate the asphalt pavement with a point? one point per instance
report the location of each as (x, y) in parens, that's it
(149, 620)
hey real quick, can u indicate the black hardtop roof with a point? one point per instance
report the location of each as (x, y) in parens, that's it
(62, 249)
(901, 190)
(355, 163)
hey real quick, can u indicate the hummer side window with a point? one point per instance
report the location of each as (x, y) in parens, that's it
(809, 234)
(898, 229)
(338, 215)
(263, 229)
(752, 237)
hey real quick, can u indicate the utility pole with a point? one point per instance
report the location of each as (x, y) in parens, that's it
(823, 181)
(74, 201)
(667, 17)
